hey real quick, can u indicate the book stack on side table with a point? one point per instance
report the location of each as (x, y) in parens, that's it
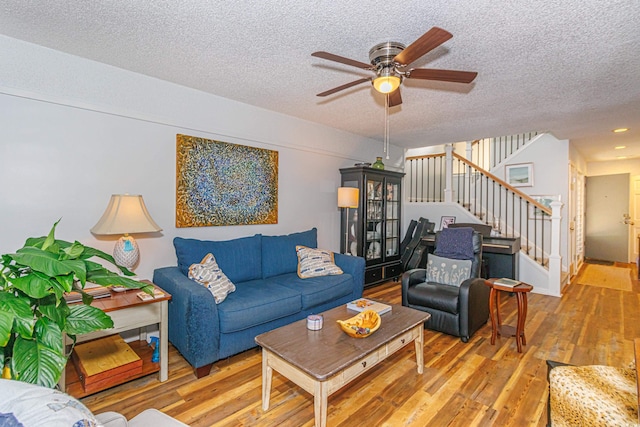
(507, 283)
(362, 304)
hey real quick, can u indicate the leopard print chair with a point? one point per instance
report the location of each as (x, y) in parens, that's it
(592, 396)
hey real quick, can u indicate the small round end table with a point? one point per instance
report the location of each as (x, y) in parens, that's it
(497, 327)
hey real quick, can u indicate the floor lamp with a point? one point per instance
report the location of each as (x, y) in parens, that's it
(347, 198)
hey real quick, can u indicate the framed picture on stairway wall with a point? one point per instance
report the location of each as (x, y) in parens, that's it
(519, 175)
(446, 220)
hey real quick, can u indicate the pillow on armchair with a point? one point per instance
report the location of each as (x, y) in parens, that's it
(447, 271)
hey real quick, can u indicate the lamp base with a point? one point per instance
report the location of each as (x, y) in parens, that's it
(126, 252)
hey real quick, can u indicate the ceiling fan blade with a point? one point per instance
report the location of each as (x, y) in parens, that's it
(442, 75)
(395, 98)
(344, 86)
(341, 59)
(427, 42)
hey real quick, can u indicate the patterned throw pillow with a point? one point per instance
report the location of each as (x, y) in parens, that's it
(208, 274)
(315, 263)
(447, 271)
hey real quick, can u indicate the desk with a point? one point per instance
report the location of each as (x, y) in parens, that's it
(127, 312)
(499, 253)
(497, 327)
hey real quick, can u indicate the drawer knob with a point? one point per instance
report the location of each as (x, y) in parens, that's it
(364, 364)
(402, 340)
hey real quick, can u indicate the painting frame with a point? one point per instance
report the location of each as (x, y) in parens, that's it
(446, 220)
(544, 200)
(219, 183)
(519, 174)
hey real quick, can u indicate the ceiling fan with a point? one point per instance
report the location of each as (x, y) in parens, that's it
(390, 60)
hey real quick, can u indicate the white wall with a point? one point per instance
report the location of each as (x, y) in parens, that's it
(76, 131)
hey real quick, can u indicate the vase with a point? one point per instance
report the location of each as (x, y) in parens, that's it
(378, 164)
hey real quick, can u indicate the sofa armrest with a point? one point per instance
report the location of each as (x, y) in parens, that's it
(194, 327)
(354, 266)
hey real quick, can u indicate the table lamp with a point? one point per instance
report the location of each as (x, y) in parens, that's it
(347, 198)
(125, 214)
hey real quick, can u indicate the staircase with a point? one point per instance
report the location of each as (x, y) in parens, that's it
(451, 178)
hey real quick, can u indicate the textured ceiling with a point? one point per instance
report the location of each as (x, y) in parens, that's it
(571, 67)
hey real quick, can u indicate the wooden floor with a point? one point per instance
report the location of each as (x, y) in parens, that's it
(473, 384)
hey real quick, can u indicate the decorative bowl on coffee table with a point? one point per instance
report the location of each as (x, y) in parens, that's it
(361, 325)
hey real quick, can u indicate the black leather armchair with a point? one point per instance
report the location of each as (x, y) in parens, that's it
(458, 311)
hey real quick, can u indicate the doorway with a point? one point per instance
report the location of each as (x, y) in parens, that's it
(607, 214)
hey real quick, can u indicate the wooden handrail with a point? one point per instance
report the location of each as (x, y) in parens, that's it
(425, 156)
(505, 184)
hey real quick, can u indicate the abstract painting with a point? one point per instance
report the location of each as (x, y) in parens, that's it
(218, 183)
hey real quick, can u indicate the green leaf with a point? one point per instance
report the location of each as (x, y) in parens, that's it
(40, 260)
(74, 251)
(48, 263)
(105, 277)
(91, 252)
(6, 322)
(36, 363)
(65, 282)
(50, 240)
(35, 284)
(85, 318)
(49, 333)
(54, 311)
(20, 308)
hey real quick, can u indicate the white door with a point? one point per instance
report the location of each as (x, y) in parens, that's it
(607, 216)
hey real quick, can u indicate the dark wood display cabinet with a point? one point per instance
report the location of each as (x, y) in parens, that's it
(372, 230)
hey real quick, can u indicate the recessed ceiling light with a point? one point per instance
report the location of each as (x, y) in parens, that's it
(620, 130)
(620, 147)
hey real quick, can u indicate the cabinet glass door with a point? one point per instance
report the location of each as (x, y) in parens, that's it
(392, 219)
(373, 214)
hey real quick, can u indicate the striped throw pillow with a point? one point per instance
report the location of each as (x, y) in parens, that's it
(315, 263)
(208, 274)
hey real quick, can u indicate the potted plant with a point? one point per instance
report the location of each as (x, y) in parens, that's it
(34, 315)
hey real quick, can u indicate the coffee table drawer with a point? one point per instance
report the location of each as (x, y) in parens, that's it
(360, 366)
(401, 341)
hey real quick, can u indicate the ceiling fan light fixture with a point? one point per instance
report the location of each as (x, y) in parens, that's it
(386, 84)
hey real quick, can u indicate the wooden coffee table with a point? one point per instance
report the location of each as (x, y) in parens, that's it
(321, 362)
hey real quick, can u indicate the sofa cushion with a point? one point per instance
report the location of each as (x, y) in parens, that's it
(240, 259)
(447, 271)
(316, 291)
(256, 302)
(279, 252)
(434, 295)
(315, 263)
(208, 274)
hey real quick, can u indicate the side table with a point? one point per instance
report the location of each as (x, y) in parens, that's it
(128, 312)
(497, 327)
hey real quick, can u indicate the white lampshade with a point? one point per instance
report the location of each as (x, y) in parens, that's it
(348, 197)
(126, 214)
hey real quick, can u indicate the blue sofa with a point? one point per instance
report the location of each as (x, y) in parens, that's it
(268, 294)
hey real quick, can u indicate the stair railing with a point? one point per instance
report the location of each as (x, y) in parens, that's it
(488, 153)
(509, 211)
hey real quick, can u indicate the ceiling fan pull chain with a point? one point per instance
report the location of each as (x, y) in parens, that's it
(386, 125)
